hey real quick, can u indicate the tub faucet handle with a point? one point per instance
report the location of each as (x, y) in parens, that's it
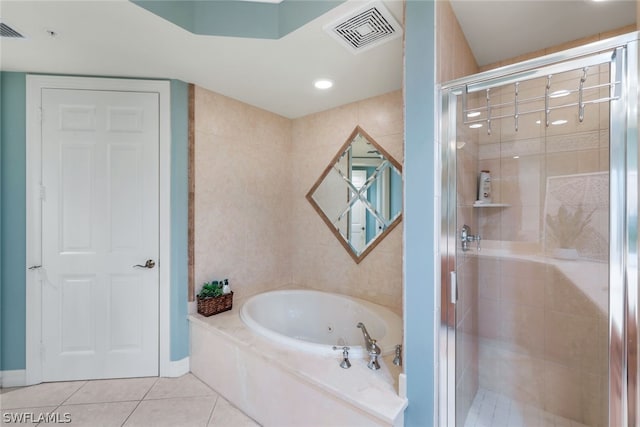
(345, 364)
(398, 359)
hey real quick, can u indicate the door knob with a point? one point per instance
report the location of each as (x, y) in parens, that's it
(149, 264)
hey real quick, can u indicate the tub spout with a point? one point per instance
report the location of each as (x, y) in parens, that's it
(372, 348)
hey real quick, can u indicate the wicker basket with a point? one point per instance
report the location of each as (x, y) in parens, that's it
(210, 306)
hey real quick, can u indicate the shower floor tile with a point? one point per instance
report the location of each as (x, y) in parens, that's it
(490, 409)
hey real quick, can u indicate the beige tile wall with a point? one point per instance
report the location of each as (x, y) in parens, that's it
(318, 260)
(520, 162)
(253, 223)
(242, 201)
(453, 54)
(542, 341)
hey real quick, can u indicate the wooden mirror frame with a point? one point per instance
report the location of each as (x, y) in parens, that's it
(357, 258)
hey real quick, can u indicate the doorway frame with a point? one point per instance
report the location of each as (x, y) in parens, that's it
(35, 85)
(624, 318)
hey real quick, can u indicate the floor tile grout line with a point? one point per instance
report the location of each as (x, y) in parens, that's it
(150, 388)
(191, 396)
(215, 404)
(139, 402)
(131, 413)
(100, 403)
(72, 394)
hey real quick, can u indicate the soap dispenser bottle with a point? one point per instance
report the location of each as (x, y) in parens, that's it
(226, 289)
(484, 187)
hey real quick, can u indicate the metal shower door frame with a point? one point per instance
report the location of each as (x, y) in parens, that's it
(624, 375)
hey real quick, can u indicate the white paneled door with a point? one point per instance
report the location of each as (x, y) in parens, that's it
(100, 218)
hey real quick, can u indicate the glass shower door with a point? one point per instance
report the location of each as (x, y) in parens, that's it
(531, 301)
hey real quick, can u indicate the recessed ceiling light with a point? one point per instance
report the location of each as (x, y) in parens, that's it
(538, 122)
(473, 114)
(475, 126)
(323, 84)
(559, 93)
(558, 122)
(516, 157)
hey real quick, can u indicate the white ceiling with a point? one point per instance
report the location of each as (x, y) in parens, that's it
(118, 38)
(498, 30)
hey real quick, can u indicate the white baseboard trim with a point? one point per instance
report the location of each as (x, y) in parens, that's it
(178, 368)
(17, 378)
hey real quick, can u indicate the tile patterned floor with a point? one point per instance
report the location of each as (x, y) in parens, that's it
(490, 409)
(157, 402)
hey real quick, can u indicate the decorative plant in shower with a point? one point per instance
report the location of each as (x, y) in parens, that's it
(566, 227)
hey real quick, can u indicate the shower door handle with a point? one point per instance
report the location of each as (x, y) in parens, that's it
(453, 287)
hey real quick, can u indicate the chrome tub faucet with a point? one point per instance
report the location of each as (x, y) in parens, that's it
(345, 364)
(372, 348)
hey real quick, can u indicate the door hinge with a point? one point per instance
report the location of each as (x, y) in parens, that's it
(40, 115)
(453, 290)
(43, 193)
(43, 351)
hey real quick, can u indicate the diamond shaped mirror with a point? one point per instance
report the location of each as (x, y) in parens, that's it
(359, 194)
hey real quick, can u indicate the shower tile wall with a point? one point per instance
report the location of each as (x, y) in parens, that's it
(542, 341)
(454, 56)
(520, 162)
(522, 181)
(542, 322)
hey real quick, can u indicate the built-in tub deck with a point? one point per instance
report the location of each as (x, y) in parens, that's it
(276, 385)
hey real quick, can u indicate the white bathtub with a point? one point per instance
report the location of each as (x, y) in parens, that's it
(315, 321)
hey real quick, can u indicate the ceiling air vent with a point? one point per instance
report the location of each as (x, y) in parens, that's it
(7, 31)
(365, 28)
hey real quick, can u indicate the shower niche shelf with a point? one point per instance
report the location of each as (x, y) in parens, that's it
(491, 205)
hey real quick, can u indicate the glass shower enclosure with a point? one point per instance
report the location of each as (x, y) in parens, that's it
(539, 242)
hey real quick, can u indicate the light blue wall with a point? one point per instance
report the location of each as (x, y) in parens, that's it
(419, 216)
(179, 218)
(13, 243)
(232, 18)
(13, 226)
